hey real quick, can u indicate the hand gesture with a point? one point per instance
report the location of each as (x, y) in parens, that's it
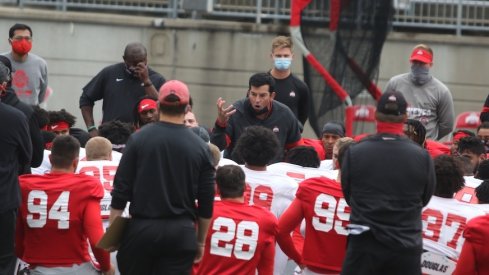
(141, 71)
(223, 114)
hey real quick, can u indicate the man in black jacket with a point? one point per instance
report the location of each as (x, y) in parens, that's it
(10, 98)
(165, 168)
(386, 179)
(258, 108)
(16, 152)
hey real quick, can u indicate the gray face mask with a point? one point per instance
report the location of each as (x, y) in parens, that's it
(420, 74)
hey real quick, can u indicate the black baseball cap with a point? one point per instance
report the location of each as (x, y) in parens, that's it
(392, 103)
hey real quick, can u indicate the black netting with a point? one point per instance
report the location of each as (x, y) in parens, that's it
(362, 29)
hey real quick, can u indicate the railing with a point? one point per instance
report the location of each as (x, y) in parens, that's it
(459, 16)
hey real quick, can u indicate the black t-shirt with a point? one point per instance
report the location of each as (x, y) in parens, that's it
(164, 169)
(294, 93)
(119, 90)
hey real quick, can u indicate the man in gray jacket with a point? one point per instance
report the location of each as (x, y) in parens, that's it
(429, 100)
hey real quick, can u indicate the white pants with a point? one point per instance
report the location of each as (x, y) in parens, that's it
(81, 269)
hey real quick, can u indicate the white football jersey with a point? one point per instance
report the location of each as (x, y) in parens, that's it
(46, 164)
(326, 165)
(104, 170)
(300, 173)
(443, 223)
(274, 192)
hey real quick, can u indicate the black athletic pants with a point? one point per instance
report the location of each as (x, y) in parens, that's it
(158, 247)
(366, 255)
(7, 242)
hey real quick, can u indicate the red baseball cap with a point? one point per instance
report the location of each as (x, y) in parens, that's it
(146, 104)
(421, 55)
(177, 88)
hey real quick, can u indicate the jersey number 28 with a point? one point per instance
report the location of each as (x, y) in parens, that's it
(244, 234)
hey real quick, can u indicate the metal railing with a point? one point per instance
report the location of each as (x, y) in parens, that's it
(459, 16)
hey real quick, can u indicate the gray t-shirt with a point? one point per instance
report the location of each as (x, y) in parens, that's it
(430, 103)
(29, 78)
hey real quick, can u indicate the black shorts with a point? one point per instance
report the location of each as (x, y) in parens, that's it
(366, 255)
(164, 246)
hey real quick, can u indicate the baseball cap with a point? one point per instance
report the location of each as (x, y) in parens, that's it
(333, 128)
(146, 104)
(177, 88)
(421, 55)
(392, 103)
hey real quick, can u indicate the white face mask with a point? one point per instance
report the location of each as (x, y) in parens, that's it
(282, 63)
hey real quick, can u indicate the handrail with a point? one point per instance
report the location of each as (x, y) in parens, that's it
(459, 16)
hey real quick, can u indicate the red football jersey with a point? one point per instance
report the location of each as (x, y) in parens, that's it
(59, 211)
(241, 240)
(326, 214)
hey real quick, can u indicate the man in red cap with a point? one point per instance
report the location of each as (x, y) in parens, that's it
(145, 112)
(165, 169)
(429, 100)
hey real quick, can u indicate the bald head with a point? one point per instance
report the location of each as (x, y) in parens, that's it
(135, 48)
(98, 148)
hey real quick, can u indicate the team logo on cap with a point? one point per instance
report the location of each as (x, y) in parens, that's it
(420, 52)
(392, 98)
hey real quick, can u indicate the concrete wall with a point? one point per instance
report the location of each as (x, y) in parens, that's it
(214, 58)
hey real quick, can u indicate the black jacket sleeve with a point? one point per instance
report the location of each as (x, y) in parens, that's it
(37, 142)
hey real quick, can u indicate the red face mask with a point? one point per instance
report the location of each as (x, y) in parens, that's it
(21, 46)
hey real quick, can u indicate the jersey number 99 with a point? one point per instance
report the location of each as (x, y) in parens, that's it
(331, 214)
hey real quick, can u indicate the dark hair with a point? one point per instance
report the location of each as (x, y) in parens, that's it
(418, 133)
(231, 181)
(41, 115)
(65, 149)
(19, 26)
(449, 176)
(257, 145)
(483, 170)
(47, 138)
(62, 115)
(483, 125)
(472, 144)
(117, 132)
(304, 156)
(482, 192)
(173, 110)
(260, 79)
(466, 165)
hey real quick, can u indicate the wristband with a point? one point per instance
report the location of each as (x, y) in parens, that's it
(93, 127)
(147, 84)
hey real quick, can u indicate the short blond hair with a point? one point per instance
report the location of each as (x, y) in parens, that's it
(216, 154)
(98, 148)
(281, 42)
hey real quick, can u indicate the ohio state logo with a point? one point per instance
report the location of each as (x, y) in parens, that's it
(20, 79)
